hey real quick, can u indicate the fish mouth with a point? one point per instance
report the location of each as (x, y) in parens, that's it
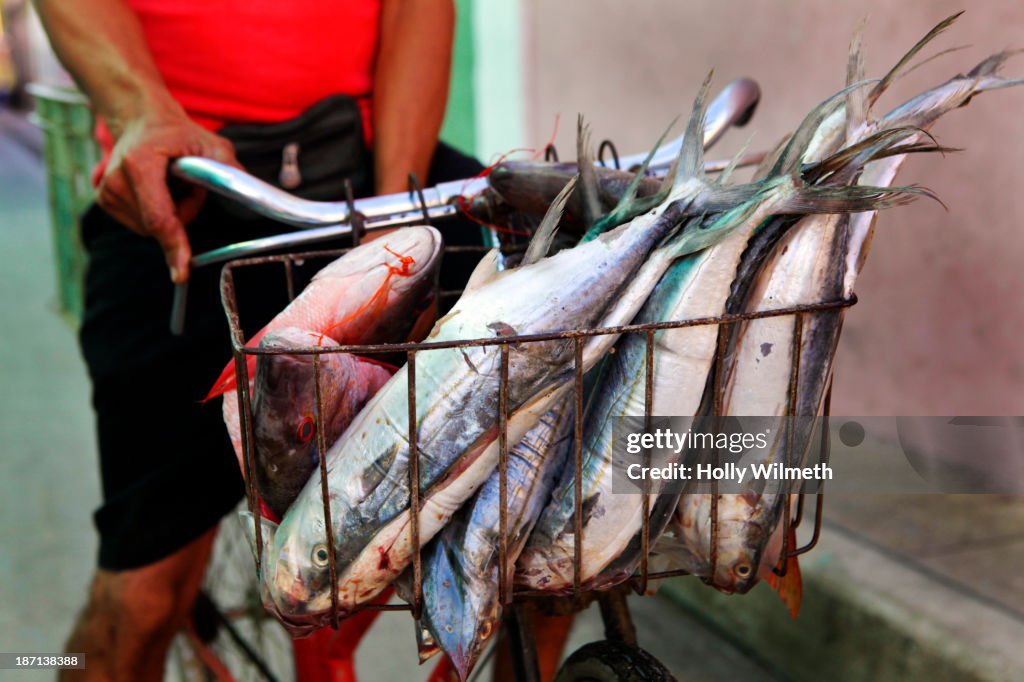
(724, 588)
(298, 625)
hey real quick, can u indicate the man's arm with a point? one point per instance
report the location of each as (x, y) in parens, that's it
(410, 88)
(102, 45)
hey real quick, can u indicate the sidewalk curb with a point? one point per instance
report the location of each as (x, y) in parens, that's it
(866, 616)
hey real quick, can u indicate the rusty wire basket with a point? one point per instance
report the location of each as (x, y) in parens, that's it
(507, 596)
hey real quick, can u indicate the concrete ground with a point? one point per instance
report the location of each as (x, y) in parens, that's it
(49, 483)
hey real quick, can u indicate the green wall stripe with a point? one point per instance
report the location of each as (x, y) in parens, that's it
(459, 127)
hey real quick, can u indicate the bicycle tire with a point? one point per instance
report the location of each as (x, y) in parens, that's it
(230, 620)
(610, 661)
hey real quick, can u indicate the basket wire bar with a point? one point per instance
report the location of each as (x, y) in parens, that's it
(414, 490)
(507, 594)
(332, 559)
(577, 449)
(504, 589)
(645, 524)
(289, 278)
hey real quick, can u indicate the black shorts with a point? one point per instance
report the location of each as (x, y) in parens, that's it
(167, 468)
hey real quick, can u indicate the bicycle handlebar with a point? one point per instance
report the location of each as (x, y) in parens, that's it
(325, 220)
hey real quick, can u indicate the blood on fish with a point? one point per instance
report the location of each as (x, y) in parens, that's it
(385, 560)
(403, 271)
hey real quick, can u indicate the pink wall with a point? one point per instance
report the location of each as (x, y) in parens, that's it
(939, 326)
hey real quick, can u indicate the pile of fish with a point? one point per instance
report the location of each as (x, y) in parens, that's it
(682, 247)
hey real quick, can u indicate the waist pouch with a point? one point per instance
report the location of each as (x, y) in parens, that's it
(310, 155)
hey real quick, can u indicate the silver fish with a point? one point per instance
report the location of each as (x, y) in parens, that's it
(696, 287)
(456, 403)
(460, 566)
(817, 260)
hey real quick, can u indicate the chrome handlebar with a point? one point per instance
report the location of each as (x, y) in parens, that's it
(326, 220)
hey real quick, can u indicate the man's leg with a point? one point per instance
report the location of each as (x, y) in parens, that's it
(132, 616)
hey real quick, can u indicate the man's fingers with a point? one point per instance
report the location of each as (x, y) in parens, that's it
(222, 150)
(147, 176)
(116, 198)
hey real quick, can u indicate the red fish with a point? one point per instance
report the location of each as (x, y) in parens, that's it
(369, 295)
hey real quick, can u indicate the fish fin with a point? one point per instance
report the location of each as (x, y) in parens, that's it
(772, 158)
(249, 525)
(937, 55)
(857, 99)
(485, 270)
(990, 65)
(690, 163)
(589, 193)
(913, 148)
(899, 69)
(424, 323)
(629, 205)
(845, 166)
(227, 381)
(727, 172)
(789, 587)
(545, 233)
(852, 199)
(789, 160)
(700, 233)
(721, 199)
(987, 73)
(426, 646)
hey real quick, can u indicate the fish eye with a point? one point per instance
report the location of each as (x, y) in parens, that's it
(320, 556)
(305, 431)
(742, 570)
(485, 631)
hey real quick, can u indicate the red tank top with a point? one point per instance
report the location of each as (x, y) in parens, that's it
(260, 61)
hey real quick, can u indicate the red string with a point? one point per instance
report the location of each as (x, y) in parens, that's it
(403, 271)
(551, 140)
(464, 202)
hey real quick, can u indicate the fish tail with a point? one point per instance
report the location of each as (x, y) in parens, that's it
(690, 162)
(789, 160)
(987, 72)
(789, 587)
(545, 232)
(900, 68)
(852, 199)
(857, 99)
(772, 158)
(629, 205)
(843, 166)
(720, 199)
(734, 162)
(589, 193)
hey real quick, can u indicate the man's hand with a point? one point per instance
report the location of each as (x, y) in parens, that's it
(134, 187)
(102, 44)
